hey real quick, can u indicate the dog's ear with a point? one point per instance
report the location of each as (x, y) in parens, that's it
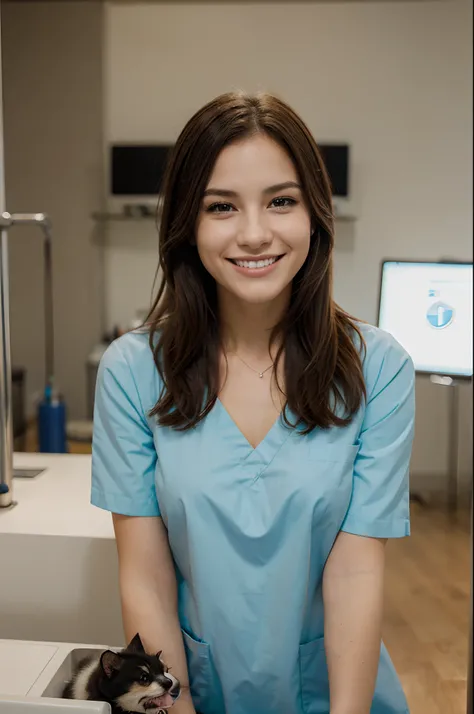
(158, 655)
(136, 645)
(110, 663)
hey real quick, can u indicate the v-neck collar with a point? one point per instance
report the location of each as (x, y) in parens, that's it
(271, 443)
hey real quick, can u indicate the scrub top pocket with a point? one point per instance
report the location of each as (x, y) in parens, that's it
(199, 668)
(314, 677)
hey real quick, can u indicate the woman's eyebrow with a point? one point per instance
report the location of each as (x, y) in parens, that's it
(226, 193)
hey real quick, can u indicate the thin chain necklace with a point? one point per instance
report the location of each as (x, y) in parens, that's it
(260, 374)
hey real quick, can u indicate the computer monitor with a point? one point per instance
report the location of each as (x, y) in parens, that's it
(137, 169)
(336, 159)
(427, 307)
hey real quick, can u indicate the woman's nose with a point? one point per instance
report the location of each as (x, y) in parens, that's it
(255, 232)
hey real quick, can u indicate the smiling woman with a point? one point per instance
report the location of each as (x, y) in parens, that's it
(252, 439)
(247, 196)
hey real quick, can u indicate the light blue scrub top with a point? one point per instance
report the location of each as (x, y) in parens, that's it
(251, 529)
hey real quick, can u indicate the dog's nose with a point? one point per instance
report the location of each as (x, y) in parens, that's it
(175, 690)
(165, 683)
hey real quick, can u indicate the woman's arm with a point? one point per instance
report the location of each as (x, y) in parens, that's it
(353, 605)
(379, 509)
(149, 594)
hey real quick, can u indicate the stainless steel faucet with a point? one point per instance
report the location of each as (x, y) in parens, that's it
(7, 221)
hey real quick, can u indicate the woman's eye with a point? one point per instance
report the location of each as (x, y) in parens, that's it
(283, 202)
(219, 208)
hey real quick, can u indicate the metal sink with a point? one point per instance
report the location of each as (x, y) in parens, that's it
(27, 473)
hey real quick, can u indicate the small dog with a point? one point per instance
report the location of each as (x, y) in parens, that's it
(130, 681)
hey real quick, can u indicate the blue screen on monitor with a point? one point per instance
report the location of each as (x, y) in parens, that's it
(427, 307)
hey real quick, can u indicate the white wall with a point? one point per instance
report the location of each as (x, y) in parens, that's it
(52, 101)
(392, 79)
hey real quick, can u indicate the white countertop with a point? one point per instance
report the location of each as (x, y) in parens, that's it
(27, 667)
(57, 502)
(21, 663)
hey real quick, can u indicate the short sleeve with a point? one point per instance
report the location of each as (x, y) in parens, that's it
(123, 451)
(380, 502)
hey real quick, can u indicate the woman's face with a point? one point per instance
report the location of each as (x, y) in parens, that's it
(253, 230)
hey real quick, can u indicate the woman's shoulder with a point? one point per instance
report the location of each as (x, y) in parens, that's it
(378, 340)
(134, 346)
(130, 363)
(381, 352)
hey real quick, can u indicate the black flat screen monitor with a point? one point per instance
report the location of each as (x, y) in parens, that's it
(137, 169)
(336, 160)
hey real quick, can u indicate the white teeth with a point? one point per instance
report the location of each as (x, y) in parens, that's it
(252, 264)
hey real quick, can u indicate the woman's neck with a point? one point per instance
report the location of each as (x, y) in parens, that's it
(246, 328)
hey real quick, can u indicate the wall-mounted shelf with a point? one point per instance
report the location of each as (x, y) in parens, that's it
(345, 219)
(106, 217)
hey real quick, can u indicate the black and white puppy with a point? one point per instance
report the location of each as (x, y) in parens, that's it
(129, 680)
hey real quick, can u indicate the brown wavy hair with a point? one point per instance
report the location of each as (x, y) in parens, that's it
(324, 383)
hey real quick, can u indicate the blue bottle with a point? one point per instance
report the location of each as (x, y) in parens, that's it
(52, 423)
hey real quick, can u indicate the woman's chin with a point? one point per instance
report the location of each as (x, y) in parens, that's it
(255, 294)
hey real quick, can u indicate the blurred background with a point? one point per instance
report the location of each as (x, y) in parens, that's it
(388, 81)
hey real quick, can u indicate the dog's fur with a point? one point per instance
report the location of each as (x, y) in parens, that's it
(129, 680)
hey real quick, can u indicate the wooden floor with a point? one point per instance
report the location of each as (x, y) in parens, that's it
(427, 611)
(427, 606)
